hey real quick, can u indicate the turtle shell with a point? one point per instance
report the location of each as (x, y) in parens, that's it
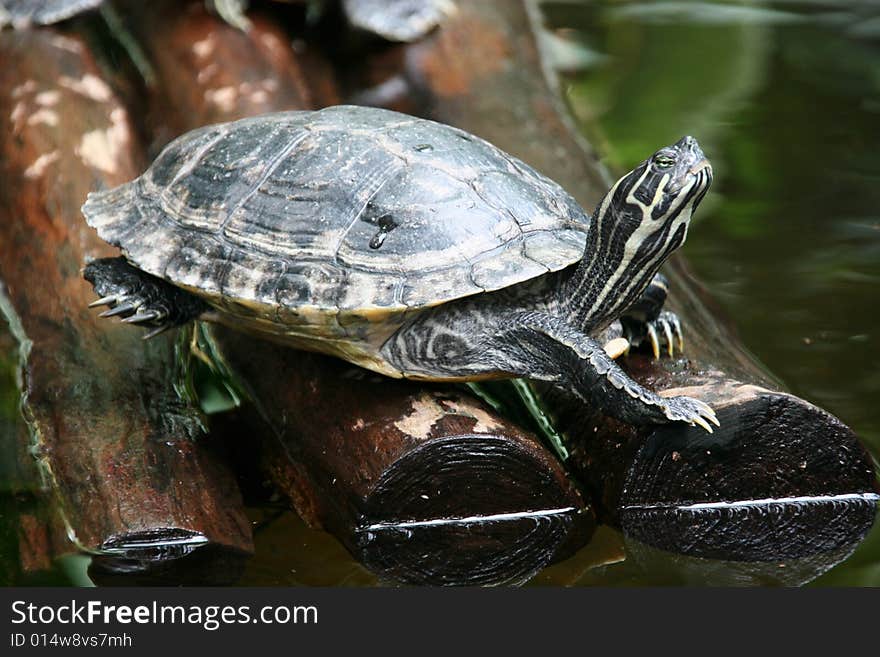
(344, 210)
(21, 13)
(398, 20)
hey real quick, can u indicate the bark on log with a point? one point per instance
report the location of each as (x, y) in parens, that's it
(202, 71)
(421, 484)
(111, 436)
(483, 71)
(34, 535)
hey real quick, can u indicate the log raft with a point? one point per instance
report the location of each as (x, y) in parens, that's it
(645, 481)
(777, 460)
(113, 440)
(422, 484)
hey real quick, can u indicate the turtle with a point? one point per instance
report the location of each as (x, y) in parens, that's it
(411, 248)
(21, 13)
(394, 20)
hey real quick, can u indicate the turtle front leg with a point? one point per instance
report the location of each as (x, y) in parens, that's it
(646, 320)
(140, 298)
(535, 345)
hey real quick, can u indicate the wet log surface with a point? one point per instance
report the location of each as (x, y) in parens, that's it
(781, 478)
(111, 436)
(421, 484)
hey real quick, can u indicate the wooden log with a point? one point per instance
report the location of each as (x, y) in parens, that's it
(780, 479)
(113, 440)
(33, 534)
(421, 484)
(201, 71)
(484, 71)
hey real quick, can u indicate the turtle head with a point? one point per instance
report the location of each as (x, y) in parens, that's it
(639, 223)
(654, 202)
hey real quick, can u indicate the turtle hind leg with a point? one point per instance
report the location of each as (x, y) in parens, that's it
(646, 321)
(140, 298)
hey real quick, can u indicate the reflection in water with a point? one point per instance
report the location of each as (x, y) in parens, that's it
(661, 567)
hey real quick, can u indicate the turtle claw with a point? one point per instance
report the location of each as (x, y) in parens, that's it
(676, 329)
(138, 317)
(690, 410)
(665, 332)
(700, 421)
(103, 301)
(119, 309)
(138, 298)
(652, 338)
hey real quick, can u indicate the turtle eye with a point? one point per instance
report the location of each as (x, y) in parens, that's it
(663, 161)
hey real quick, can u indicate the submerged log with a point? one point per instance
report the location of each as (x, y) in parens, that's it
(421, 484)
(113, 440)
(484, 71)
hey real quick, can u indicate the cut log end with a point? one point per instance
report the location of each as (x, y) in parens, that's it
(520, 517)
(478, 551)
(203, 565)
(693, 493)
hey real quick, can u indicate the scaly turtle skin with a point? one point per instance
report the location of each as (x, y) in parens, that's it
(405, 246)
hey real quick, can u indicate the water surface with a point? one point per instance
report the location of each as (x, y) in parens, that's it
(785, 99)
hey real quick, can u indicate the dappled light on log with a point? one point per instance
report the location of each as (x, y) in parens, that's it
(116, 445)
(423, 484)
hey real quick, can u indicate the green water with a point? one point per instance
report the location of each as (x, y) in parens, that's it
(785, 99)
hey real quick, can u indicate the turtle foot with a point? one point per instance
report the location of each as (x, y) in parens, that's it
(139, 298)
(690, 410)
(668, 326)
(663, 334)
